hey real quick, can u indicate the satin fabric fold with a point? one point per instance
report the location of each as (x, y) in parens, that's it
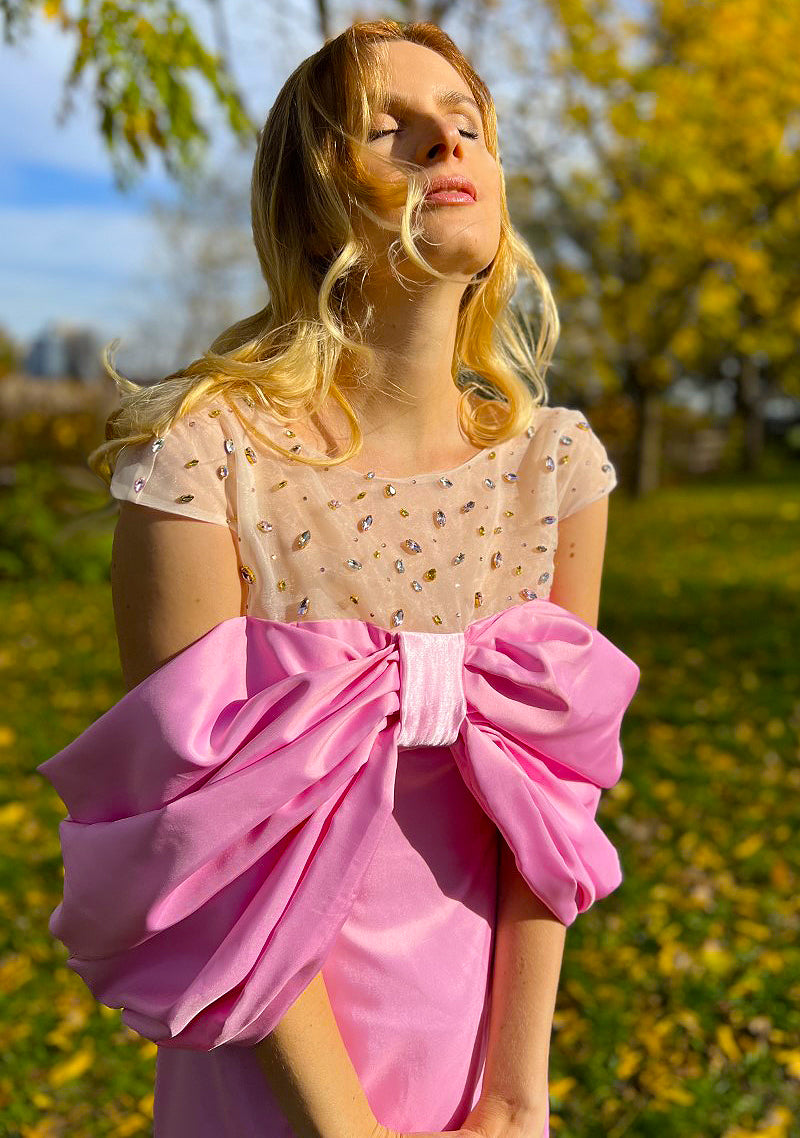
(222, 814)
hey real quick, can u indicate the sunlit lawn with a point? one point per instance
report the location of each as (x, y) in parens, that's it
(679, 1006)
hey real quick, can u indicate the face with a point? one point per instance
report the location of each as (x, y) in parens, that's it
(433, 122)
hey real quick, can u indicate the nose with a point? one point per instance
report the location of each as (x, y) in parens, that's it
(440, 139)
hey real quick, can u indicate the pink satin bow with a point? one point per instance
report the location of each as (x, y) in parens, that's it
(222, 813)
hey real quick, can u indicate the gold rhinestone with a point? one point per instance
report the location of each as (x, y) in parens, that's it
(186, 497)
(492, 453)
(517, 570)
(482, 530)
(333, 504)
(404, 512)
(217, 411)
(250, 454)
(191, 462)
(377, 553)
(290, 434)
(281, 585)
(508, 513)
(363, 494)
(498, 529)
(437, 620)
(429, 574)
(478, 600)
(564, 458)
(248, 574)
(354, 599)
(281, 484)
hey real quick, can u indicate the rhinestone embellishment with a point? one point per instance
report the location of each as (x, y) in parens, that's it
(467, 506)
(399, 566)
(222, 471)
(157, 445)
(565, 440)
(496, 559)
(351, 563)
(250, 454)
(229, 446)
(248, 574)
(528, 594)
(445, 481)
(303, 607)
(488, 482)
(439, 518)
(412, 546)
(138, 484)
(192, 462)
(397, 617)
(303, 539)
(510, 476)
(459, 557)
(365, 523)
(548, 521)
(549, 464)
(389, 490)
(186, 498)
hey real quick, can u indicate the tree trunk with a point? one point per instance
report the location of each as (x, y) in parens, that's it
(648, 442)
(750, 408)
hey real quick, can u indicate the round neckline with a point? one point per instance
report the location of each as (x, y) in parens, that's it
(409, 479)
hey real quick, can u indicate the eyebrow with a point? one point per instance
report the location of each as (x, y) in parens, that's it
(446, 99)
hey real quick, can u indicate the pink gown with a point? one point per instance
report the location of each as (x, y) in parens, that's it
(323, 784)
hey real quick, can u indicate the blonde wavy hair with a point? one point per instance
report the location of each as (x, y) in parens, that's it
(308, 177)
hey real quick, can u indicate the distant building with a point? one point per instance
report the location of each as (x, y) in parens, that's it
(65, 351)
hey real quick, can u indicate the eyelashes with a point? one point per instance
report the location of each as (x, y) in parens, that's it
(380, 133)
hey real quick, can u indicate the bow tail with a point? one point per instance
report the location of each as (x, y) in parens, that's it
(547, 821)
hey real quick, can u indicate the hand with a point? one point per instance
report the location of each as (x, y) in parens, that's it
(496, 1118)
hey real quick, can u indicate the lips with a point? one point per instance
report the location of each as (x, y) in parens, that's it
(453, 182)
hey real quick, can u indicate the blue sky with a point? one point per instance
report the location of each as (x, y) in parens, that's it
(73, 246)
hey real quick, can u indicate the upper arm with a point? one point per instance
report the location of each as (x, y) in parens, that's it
(172, 580)
(578, 562)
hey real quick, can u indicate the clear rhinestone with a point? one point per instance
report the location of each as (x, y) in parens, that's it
(496, 559)
(157, 444)
(365, 523)
(445, 481)
(605, 467)
(303, 607)
(397, 617)
(351, 563)
(229, 446)
(138, 484)
(565, 440)
(548, 520)
(549, 464)
(399, 566)
(459, 557)
(370, 474)
(544, 577)
(222, 471)
(528, 594)
(488, 482)
(439, 518)
(412, 546)
(186, 497)
(510, 476)
(467, 506)
(264, 526)
(389, 490)
(416, 586)
(304, 538)
(529, 432)
(333, 504)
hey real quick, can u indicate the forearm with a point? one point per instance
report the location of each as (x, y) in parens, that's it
(529, 947)
(310, 1072)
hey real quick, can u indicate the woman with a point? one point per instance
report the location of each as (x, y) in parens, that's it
(325, 849)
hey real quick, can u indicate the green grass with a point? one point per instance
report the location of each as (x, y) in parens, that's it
(679, 1007)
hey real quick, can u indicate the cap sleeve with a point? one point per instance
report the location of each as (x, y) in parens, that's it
(189, 471)
(588, 473)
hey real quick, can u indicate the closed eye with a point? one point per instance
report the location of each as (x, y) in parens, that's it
(380, 133)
